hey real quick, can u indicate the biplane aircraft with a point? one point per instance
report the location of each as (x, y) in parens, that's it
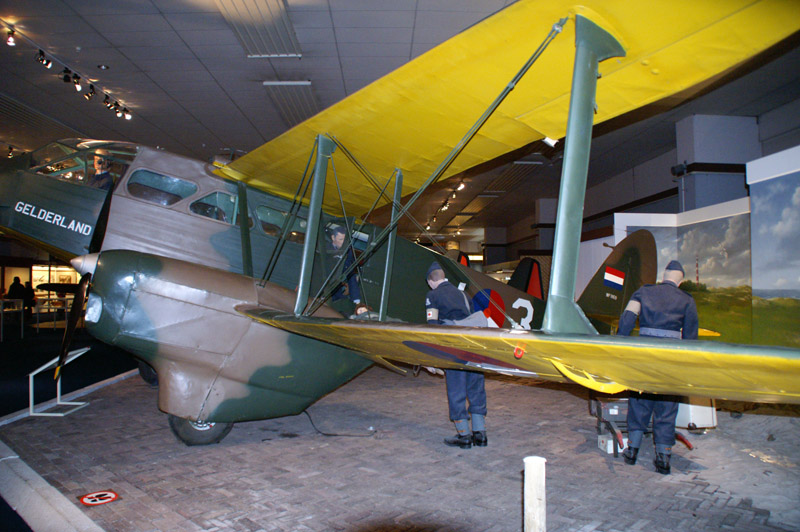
(220, 279)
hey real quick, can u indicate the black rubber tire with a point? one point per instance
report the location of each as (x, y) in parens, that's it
(148, 374)
(192, 433)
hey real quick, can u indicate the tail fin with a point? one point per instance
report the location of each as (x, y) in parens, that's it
(631, 264)
(527, 277)
(458, 256)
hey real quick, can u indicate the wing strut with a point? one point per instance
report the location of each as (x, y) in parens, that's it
(387, 273)
(325, 147)
(592, 45)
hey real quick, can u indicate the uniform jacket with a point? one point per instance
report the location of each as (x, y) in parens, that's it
(448, 302)
(663, 306)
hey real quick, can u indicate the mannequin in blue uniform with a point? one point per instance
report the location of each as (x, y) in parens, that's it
(102, 178)
(663, 311)
(335, 245)
(446, 302)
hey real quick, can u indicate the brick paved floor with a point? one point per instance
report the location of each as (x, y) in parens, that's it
(284, 475)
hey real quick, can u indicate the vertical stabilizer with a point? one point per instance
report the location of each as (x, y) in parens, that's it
(631, 264)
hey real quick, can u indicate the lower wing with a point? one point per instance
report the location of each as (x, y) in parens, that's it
(608, 364)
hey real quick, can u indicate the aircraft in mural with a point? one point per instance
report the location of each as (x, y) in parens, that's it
(221, 280)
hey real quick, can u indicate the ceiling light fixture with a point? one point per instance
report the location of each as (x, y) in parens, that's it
(41, 58)
(10, 151)
(550, 142)
(461, 186)
(67, 75)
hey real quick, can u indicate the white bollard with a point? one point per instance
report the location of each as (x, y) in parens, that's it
(534, 496)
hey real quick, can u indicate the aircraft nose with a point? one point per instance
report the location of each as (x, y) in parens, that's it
(85, 263)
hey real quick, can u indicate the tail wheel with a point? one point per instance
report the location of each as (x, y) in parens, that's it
(193, 433)
(148, 374)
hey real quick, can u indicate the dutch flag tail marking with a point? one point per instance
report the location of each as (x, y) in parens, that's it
(614, 278)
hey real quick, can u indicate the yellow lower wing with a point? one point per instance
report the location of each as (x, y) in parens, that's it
(412, 117)
(603, 363)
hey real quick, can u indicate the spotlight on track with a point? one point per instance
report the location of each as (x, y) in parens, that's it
(41, 58)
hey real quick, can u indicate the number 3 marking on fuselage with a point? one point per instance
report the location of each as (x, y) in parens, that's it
(524, 303)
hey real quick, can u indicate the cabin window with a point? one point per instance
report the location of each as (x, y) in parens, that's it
(159, 189)
(271, 221)
(217, 206)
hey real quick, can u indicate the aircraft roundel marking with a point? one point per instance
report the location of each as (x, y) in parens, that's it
(454, 354)
(495, 310)
(98, 497)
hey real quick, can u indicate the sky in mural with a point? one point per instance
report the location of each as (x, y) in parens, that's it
(719, 250)
(715, 252)
(775, 208)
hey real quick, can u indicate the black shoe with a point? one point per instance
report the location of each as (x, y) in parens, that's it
(662, 463)
(480, 439)
(459, 440)
(629, 454)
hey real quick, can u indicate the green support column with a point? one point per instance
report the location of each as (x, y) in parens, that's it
(592, 45)
(244, 228)
(325, 148)
(387, 273)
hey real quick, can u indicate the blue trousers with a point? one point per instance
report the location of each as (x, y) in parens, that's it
(663, 408)
(461, 387)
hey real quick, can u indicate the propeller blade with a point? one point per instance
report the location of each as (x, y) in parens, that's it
(61, 288)
(75, 312)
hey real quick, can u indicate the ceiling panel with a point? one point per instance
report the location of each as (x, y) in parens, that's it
(150, 38)
(372, 19)
(119, 7)
(373, 5)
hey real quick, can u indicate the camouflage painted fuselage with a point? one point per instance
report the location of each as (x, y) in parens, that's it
(172, 270)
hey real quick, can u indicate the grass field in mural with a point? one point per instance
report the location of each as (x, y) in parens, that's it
(727, 311)
(740, 317)
(775, 321)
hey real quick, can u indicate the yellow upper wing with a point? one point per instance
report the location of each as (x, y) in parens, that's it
(604, 363)
(412, 117)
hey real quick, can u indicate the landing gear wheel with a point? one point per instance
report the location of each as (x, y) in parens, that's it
(192, 433)
(148, 374)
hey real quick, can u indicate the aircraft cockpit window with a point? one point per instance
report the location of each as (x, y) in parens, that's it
(52, 152)
(98, 168)
(217, 206)
(71, 169)
(159, 189)
(271, 221)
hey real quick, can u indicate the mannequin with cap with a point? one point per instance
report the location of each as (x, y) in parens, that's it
(663, 311)
(446, 302)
